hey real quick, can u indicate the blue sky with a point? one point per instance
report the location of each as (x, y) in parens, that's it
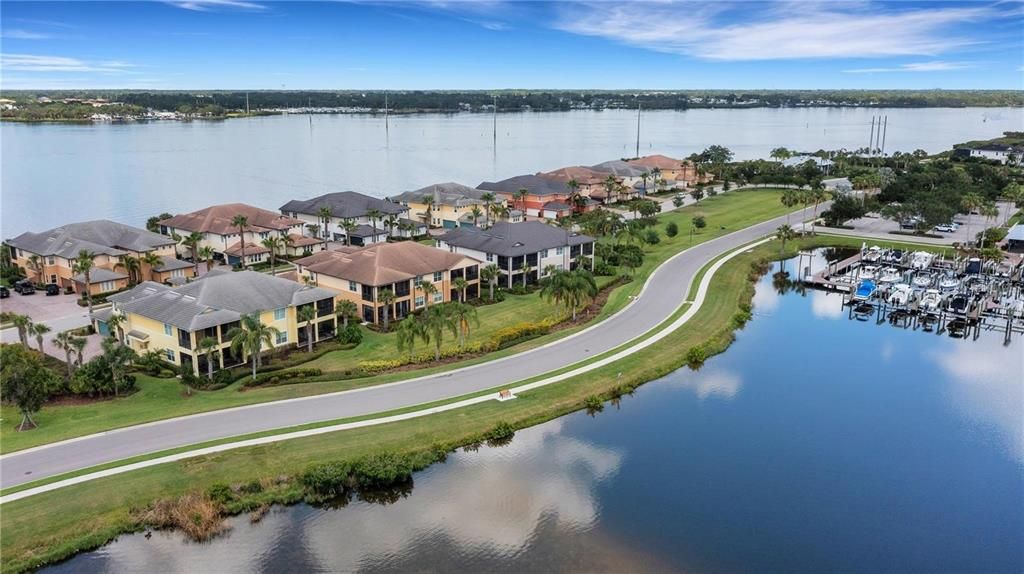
(490, 44)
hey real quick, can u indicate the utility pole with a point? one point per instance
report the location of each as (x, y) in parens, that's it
(495, 123)
(885, 131)
(386, 127)
(871, 139)
(247, 103)
(638, 129)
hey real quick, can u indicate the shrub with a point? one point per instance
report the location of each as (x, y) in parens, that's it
(696, 356)
(327, 478)
(671, 229)
(594, 404)
(384, 469)
(651, 237)
(351, 335)
(500, 435)
(253, 487)
(221, 493)
(278, 377)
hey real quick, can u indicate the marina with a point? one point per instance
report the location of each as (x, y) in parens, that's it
(936, 293)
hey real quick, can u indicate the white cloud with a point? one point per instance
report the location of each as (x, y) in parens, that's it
(934, 66)
(210, 5)
(783, 30)
(18, 34)
(37, 63)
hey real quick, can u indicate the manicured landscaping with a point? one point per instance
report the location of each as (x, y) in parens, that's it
(57, 524)
(165, 398)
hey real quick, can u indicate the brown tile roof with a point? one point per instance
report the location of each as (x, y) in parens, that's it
(579, 173)
(303, 240)
(657, 161)
(384, 263)
(217, 219)
(250, 249)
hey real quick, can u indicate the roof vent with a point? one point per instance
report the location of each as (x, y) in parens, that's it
(517, 244)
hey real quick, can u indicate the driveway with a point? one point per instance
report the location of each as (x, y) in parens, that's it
(970, 226)
(42, 308)
(664, 292)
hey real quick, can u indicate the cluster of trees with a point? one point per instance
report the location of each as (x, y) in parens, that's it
(54, 111)
(431, 324)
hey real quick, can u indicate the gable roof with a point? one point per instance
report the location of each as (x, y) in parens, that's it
(343, 204)
(513, 239)
(619, 168)
(579, 173)
(216, 298)
(449, 193)
(384, 263)
(657, 161)
(101, 236)
(535, 184)
(217, 219)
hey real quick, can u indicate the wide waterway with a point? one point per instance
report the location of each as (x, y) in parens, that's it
(56, 173)
(814, 444)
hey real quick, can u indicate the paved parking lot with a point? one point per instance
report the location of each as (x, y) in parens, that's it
(970, 226)
(41, 307)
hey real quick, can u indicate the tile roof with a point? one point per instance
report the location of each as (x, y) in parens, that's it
(99, 275)
(172, 263)
(250, 249)
(101, 236)
(535, 184)
(216, 298)
(657, 161)
(450, 193)
(343, 204)
(619, 168)
(303, 240)
(513, 239)
(368, 231)
(384, 263)
(579, 173)
(217, 219)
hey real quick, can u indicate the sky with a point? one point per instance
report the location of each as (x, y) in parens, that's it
(496, 44)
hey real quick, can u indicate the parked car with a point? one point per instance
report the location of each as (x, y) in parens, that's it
(19, 285)
(52, 289)
(27, 289)
(4, 293)
(945, 228)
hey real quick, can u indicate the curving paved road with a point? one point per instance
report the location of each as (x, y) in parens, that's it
(664, 291)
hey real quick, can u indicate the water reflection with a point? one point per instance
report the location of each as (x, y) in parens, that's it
(714, 382)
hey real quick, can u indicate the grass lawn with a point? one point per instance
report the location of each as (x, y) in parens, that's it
(164, 398)
(57, 524)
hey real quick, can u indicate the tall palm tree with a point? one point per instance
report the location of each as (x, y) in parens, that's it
(488, 198)
(387, 298)
(132, 267)
(784, 233)
(307, 314)
(345, 309)
(437, 320)
(490, 274)
(990, 211)
(35, 263)
(250, 337)
(818, 196)
(462, 316)
(970, 202)
(114, 323)
(78, 343)
(152, 260)
(192, 241)
(476, 212)
(326, 215)
(207, 346)
(574, 192)
(525, 269)
(63, 342)
(285, 242)
(520, 195)
(790, 199)
(390, 222)
(374, 215)
(428, 289)
(84, 264)
(118, 357)
(40, 330)
(460, 284)
(582, 289)
(350, 227)
(656, 176)
(24, 324)
(428, 210)
(273, 244)
(206, 254)
(241, 222)
(409, 330)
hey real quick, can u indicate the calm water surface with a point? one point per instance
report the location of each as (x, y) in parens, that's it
(54, 173)
(815, 444)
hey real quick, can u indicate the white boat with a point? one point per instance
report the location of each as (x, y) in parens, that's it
(931, 300)
(921, 260)
(890, 275)
(867, 272)
(923, 280)
(949, 283)
(874, 253)
(900, 294)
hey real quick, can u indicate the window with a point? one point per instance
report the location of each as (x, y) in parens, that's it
(438, 275)
(168, 330)
(438, 297)
(419, 279)
(420, 301)
(559, 250)
(49, 260)
(53, 279)
(490, 257)
(282, 337)
(169, 353)
(279, 314)
(543, 253)
(107, 286)
(353, 286)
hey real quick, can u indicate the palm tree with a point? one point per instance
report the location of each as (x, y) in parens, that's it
(555, 289)
(113, 323)
(118, 357)
(428, 209)
(410, 329)
(23, 323)
(476, 212)
(152, 260)
(63, 342)
(273, 244)
(192, 241)
(206, 253)
(390, 222)
(790, 198)
(990, 211)
(79, 343)
(520, 195)
(39, 330)
(490, 274)
(345, 309)
(498, 212)
(35, 263)
(307, 314)
(428, 289)
(460, 284)
(656, 176)
(817, 196)
(488, 198)
(325, 216)
(350, 227)
(374, 215)
(970, 202)
(525, 269)
(784, 233)
(387, 298)
(437, 320)
(285, 242)
(644, 177)
(132, 267)
(574, 192)
(462, 316)
(207, 346)
(250, 337)
(581, 288)
(84, 265)
(241, 222)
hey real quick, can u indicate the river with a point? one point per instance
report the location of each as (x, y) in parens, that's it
(57, 173)
(816, 443)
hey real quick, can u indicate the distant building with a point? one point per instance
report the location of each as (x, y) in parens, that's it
(798, 160)
(1005, 154)
(355, 208)
(601, 186)
(511, 245)
(546, 197)
(1015, 237)
(677, 173)
(451, 204)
